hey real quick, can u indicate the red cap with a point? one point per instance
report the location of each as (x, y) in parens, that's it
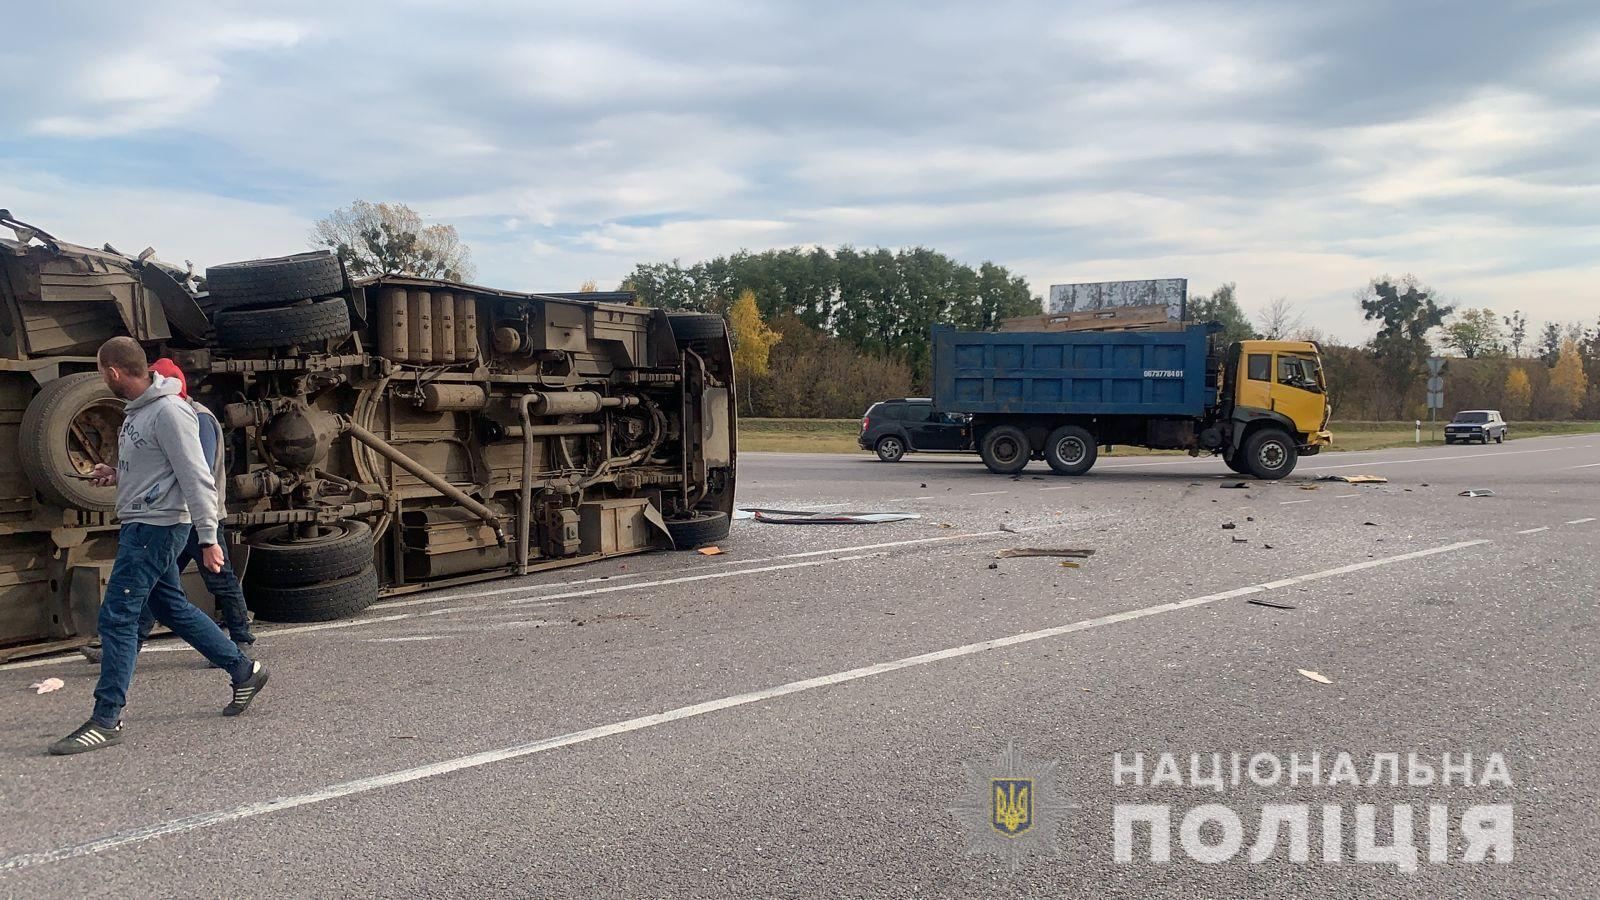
(169, 369)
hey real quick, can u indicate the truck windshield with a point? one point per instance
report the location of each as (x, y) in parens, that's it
(1301, 372)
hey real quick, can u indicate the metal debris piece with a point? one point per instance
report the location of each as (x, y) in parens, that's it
(1068, 564)
(994, 565)
(1273, 605)
(1236, 486)
(47, 685)
(1308, 487)
(1016, 552)
(1228, 526)
(1355, 479)
(803, 517)
(1315, 676)
(1266, 546)
(1477, 492)
(1240, 540)
(1369, 523)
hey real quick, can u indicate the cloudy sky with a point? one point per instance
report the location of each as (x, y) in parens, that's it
(1298, 149)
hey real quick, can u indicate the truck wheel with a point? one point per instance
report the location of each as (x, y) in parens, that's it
(259, 329)
(1270, 454)
(1071, 450)
(891, 449)
(697, 529)
(70, 425)
(314, 602)
(688, 327)
(281, 279)
(278, 557)
(1235, 462)
(1005, 450)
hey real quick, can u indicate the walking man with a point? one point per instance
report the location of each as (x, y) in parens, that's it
(224, 584)
(165, 489)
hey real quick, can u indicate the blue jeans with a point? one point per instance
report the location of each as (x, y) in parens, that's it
(146, 571)
(223, 585)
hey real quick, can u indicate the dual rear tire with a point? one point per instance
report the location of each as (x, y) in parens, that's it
(1069, 450)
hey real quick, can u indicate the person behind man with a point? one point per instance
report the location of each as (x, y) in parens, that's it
(223, 585)
(165, 490)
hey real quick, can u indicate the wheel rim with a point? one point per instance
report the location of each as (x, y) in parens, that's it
(889, 447)
(92, 435)
(1071, 450)
(1272, 455)
(1005, 449)
(284, 536)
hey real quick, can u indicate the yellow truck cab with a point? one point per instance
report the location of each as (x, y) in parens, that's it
(1274, 385)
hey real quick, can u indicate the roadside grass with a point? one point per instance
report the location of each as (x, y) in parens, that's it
(839, 435)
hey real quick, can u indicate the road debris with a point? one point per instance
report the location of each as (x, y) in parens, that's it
(994, 565)
(1228, 526)
(1273, 605)
(1009, 529)
(1240, 540)
(1017, 552)
(945, 525)
(1308, 487)
(47, 685)
(1266, 546)
(804, 517)
(1355, 479)
(1069, 564)
(743, 514)
(924, 484)
(1369, 523)
(710, 551)
(1315, 676)
(1235, 486)
(1476, 492)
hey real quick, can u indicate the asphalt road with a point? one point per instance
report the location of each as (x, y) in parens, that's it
(792, 718)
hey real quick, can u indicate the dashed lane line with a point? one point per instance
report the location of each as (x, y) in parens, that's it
(477, 760)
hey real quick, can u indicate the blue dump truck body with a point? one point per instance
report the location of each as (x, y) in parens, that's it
(1061, 395)
(1079, 373)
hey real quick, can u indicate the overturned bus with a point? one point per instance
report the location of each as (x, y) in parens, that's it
(384, 435)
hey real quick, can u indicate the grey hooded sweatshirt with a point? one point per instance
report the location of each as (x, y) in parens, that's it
(162, 474)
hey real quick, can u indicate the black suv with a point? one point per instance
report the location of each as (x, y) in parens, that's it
(1476, 425)
(893, 428)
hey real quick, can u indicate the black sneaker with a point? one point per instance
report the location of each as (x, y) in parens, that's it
(89, 736)
(95, 652)
(246, 690)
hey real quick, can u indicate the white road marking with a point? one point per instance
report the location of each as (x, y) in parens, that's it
(1586, 465)
(410, 639)
(708, 576)
(1534, 530)
(1292, 502)
(1458, 458)
(1344, 496)
(985, 493)
(1064, 487)
(904, 499)
(535, 599)
(488, 757)
(1581, 521)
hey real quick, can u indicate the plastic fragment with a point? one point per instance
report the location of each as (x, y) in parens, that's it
(1315, 676)
(47, 685)
(710, 551)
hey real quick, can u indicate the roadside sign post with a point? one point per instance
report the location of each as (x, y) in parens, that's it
(1419, 431)
(1435, 397)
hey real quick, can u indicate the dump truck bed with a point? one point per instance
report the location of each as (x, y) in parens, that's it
(1072, 373)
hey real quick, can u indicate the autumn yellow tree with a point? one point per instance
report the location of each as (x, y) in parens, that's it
(588, 287)
(1568, 384)
(752, 339)
(1518, 394)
